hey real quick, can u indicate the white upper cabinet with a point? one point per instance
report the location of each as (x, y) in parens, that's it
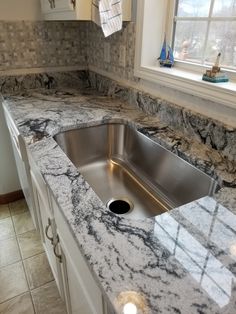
(57, 5)
(75, 9)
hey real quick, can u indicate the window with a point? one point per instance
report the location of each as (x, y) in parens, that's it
(203, 28)
(176, 19)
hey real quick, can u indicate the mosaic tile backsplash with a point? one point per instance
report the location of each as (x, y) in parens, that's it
(95, 50)
(27, 44)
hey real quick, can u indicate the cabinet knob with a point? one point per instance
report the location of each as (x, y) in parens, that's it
(55, 250)
(46, 230)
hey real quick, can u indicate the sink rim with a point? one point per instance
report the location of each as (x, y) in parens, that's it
(134, 126)
(215, 186)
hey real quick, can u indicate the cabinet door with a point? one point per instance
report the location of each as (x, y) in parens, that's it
(58, 9)
(47, 230)
(83, 294)
(80, 296)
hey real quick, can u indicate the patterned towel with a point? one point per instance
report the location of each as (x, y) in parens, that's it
(108, 15)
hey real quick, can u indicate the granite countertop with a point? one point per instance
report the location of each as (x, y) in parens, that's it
(183, 261)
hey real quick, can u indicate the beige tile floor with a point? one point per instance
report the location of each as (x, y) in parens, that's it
(27, 285)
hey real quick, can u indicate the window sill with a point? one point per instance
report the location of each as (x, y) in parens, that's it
(190, 83)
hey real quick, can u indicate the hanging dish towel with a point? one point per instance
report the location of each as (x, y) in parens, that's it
(108, 15)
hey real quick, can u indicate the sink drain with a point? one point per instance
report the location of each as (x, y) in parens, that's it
(119, 206)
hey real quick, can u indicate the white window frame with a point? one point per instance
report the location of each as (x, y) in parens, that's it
(209, 19)
(152, 22)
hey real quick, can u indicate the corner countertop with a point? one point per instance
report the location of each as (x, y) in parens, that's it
(183, 261)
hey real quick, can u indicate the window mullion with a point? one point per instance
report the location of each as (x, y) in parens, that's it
(215, 18)
(190, 18)
(174, 15)
(207, 30)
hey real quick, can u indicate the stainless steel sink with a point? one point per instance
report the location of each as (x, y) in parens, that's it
(133, 175)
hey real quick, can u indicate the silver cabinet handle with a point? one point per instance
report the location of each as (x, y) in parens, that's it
(55, 250)
(52, 4)
(46, 230)
(73, 2)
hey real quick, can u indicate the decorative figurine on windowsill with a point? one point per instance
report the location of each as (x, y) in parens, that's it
(166, 58)
(215, 75)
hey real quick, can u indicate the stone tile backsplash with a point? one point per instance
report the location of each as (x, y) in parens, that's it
(19, 83)
(191, 124)
(27, 44)
(40, 44)
(95, 50)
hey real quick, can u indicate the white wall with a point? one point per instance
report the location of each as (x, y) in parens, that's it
(12, 10)
(9, 181)
(15, 10)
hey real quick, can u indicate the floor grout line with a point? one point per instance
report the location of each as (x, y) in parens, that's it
(20, 260)
(8, 210)
(15, 297)
(31, 298)
(13, 225)
(25, 272)
(5, 218)
(26, 277)
(19, 234)
(23, 264)
(11, 263)
(45, 284)
(13, 215)
(24, 259)
(10, 236)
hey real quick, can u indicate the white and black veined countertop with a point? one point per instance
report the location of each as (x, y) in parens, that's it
(183, 261)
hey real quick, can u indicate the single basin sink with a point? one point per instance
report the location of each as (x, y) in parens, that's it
(131, 174)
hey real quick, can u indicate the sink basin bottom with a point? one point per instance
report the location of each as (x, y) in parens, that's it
(125, 166)
(115, 180)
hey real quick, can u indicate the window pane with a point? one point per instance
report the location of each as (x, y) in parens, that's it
(193, 8)
(222, 38)
(189, 40)
(224, 8)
